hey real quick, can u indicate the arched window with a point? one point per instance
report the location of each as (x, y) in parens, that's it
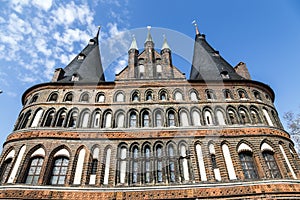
(96, 119)
(61, 118)
(68, 97)
(149, 96)
(193, 96)
(100, 97)
(84, 97)
(289, 166)
(107, 120)
(135, 167)
(135, 96)
(178, 96)
(158, 119)
(49, 118)
(172, 164)
(122, 162)
(255, 117)
(244, 116)
(120, 120)
(201, 164)
(220, 118)
(34, 99)
(184, 162)
(208, 118)
(146, 119)
(159, 163)
(6, 167)
(85, 119)
(271, 164)
(213, 160)
(184, 120)
(73, 119)
(79, 167)
(147, 164)
(232, 117)
(53, 97)
(141, 71)
(94, 166)
(163, 95)
(267, 117)
(242, 94)
(171, 119)
(248, 165)
(133, 120)
(16, 165)
(26, 118)
(228, 162)
(210, 95)
(120, 97)
(59, 170)
(196, 118)
(257, 95)
(227, 94)
(106, 166)
(34, 170)
(37, 117)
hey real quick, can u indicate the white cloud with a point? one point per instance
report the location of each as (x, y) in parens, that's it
(121, 65)
(43, 4)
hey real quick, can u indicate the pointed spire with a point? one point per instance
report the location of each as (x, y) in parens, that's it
(99, 27)
(196, 27)
(149, 37)
(165, 44)
(133, 44)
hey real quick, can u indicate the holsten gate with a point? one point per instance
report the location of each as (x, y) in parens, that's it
(151, 133)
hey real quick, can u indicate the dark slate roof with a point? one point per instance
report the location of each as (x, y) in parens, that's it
(208, 64)
(88, 69)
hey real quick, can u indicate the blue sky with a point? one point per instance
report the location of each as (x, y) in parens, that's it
(38, 36)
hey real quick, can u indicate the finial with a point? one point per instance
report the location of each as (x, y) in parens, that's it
(149, 37)
(99, 27)
(196, 27)
(165, 44)
(133, 43)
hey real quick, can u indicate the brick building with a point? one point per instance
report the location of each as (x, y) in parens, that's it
(151, 133)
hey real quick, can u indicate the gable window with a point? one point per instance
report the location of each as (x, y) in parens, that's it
(34, 170)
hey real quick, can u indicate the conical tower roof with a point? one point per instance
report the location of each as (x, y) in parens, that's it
(86, 65)
(208, 64)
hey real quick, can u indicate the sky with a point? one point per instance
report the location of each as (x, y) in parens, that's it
(37, 36)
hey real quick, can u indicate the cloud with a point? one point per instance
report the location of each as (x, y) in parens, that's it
(121, 64)
(44, 4)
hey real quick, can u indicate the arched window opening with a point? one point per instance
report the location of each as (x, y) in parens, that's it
(220, 118)
(59, 170)
(213, 160)
(232, 117)
(25, 120)
(135, 168)
(133, 120)
(34, 99)
(61, 118)
(171, 119)
(135, 97)
(196, 118)
(5, 169)
(178, 96)
(147, 164)
(53, 97)
(37, 117)
(210, 95)
(34, 170)
(184, 120)
(257, 95)
(271, 164)
(79, 167)
(84, 97)
(248, 165)
(100, 98)
(267, 117)
(122, 160)
(228, 162)
(73, 119)
(94, 166)
(159, 164)
(201, 164)
(244, 117)
(172, 161)
(107, 120)
(146, 119)
(49, 118)
(242, 94)
(158, 119)
(163, 96)
(68, 97)
(106, 166)
(96, 121)
(120, 120)
(120, 97)
(149, 96)
(184, 164)
(255, 117)
(227, 94)
(208, 118)
(193, 96)
(85, 120)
